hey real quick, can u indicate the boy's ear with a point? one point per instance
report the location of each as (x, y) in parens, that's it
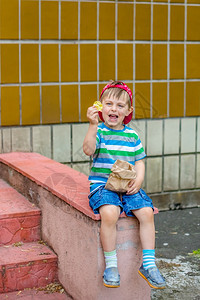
(129, 110)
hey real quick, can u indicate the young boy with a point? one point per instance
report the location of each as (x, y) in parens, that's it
(107, 142)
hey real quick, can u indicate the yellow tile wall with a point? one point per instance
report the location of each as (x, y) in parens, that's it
(176, 61)
(70, 103)
(176, 102)
(9, 63)
(29, 61)
(49, 19)
(69, 20)
(88, 21)
(88, 96)
(69, 63)
(160, 22)
(50, 104)
(142, 61)
(125, 21)
(193, 61)
(159, 61)
(9, 19)
(10, 107)
(142, 100)
(88, 61)
(49, 63)
(159, 100)
(193, 23)
(55, 52)
(30, 105)
(143, 22)
(125, 61)
(106, 21)
(177, 22)
(30, 19)
(106, 62)
(192, 98)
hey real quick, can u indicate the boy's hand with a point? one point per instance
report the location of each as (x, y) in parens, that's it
(92, 115)
(134, 186)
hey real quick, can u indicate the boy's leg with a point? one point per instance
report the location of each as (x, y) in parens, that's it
(109, 217)
(147, 228)
(148, 270)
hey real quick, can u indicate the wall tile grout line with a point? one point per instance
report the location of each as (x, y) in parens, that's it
(125, 2)
(97, 49)
(94, 82)
(151, 64)
(196, 136)
(168, 58)
(179, 177)
(79, 61)
(20, 66)
(116, 48)
(94, 42)
(59, 58)
(163, 156)
(0, 90)
(146, 153)
(134, 59)
(185, 57)
(40, 63)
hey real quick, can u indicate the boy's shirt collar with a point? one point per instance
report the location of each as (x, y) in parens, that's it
(111, 129)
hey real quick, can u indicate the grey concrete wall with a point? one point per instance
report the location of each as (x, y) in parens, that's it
(172, 146)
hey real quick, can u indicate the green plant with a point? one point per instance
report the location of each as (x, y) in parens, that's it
(195, 253)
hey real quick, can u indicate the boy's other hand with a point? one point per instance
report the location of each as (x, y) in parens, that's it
(92, 115)
(134, 187)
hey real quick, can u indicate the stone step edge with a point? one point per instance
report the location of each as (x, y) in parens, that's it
(25, 252)
(20, 215)
(31, 265)
(35, 294)
(10, 194)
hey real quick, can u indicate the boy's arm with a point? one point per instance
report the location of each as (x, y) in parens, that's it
(89, 143)
(136, 183)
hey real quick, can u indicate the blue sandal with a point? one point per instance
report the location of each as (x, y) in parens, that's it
(153, 277)
(111, 277)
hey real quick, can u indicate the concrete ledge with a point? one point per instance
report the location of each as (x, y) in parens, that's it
(177, 200)
(73, 231)
(69, 185)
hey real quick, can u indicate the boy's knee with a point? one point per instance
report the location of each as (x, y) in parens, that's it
(149, 213)
(109, 213)
(145, 214)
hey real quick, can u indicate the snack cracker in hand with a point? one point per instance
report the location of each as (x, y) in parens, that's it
(98, 105)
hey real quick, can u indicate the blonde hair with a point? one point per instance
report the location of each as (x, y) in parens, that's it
(116, 92)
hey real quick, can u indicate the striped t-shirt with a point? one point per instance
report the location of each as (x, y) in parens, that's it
(112, 145)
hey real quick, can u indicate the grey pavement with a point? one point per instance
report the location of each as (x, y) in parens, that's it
(177, 235)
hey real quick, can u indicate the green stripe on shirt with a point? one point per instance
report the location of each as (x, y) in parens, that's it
(101, 170)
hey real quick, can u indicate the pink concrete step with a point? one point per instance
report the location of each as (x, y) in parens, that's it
(19, 219)
(26, 266)
(66, 183)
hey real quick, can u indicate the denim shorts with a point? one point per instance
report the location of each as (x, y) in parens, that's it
(127, 203)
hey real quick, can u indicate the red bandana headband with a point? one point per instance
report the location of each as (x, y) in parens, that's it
(124, 87)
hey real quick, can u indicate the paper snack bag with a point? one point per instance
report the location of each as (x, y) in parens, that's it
(122, 174)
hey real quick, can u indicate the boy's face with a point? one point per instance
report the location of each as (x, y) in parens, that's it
(114, 111)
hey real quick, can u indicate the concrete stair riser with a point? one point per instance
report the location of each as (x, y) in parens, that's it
(24, 262)
(25, 229)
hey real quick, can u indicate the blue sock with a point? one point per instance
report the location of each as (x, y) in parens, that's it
(110, 259)
(148, 259)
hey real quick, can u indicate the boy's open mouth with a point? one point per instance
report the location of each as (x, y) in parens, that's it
(113, 117)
